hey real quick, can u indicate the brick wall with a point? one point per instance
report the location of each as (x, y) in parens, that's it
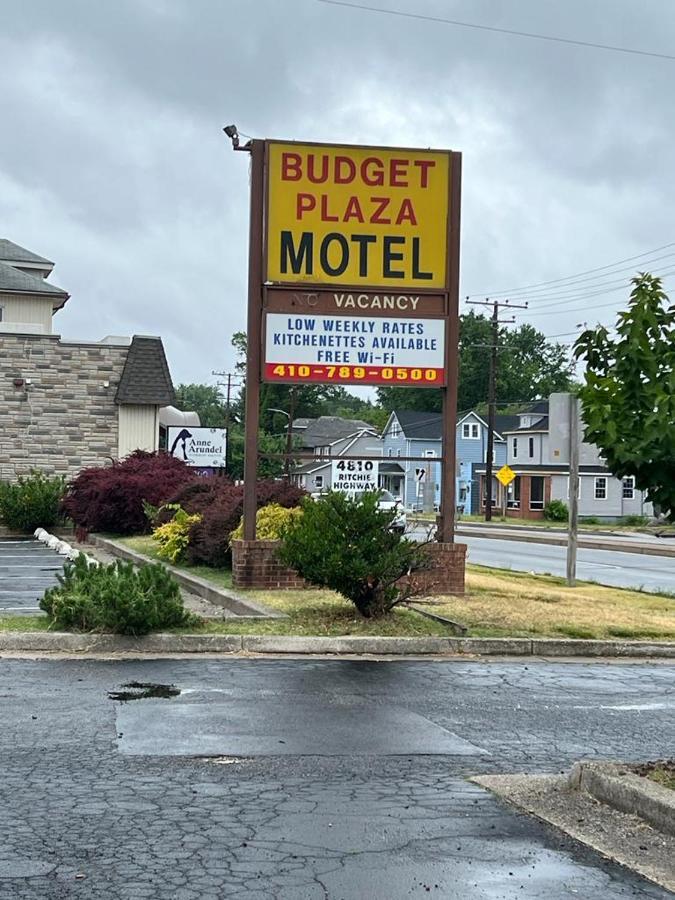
(254, 565)
(65, 418)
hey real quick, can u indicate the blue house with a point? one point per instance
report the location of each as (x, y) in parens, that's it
(415, 433)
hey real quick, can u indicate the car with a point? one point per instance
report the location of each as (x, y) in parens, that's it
(387, 501)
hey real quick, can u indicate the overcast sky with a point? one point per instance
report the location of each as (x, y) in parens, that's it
(113, 162)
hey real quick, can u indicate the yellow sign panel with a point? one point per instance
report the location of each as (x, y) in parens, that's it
(357, 216)
(506, 475)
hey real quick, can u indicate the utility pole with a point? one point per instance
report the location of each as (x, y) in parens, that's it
(229, 376)
(573, 523)
(492, 390)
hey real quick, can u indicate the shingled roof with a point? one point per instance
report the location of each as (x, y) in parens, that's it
(12, 281)
(146, 379)
(326, 429)
(13, 253)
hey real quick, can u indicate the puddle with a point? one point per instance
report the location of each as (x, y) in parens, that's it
(144, 690)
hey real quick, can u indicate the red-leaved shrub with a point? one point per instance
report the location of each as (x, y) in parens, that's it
(110, 498)
(220, 504)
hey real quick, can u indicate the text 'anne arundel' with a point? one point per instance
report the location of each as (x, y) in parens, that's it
(393, 251)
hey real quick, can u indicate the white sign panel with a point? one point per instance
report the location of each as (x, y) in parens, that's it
(354, 350)
(354, 476)
(200, 447)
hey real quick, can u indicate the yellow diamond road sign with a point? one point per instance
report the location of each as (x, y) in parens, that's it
(506, 475)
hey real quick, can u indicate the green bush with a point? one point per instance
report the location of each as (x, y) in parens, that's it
(556, 511)
(348, 545)
(589, 520)
(33, 501)
(115, 598)
(174, 536)
(271, 522)
(636, 521)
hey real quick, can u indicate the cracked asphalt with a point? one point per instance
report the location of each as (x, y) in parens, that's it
(340, 779)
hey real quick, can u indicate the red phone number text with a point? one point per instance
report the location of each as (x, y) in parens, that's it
(355, 374)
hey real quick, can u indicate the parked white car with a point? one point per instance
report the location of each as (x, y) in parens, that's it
(387, 501)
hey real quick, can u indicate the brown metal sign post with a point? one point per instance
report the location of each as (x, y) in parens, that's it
(254, 337)
(353, 279)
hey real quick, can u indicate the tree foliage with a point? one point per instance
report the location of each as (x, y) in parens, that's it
(529, 367)
(628, 394)
(203, 399)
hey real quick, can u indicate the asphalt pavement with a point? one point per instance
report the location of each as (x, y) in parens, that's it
(611, 567)
(27, 569)
(292, 779)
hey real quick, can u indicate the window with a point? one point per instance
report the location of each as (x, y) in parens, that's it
(395, 429)
(398, 453)
(515, 447)
(537, 492)
(318, 481)
(470, 431)
(628, 487)
(600, 492)
(513, 494)
(2, 309)
(531, 447)
(390, 452)
(484, 491)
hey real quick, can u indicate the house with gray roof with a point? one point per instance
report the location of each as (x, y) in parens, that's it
(69, 404)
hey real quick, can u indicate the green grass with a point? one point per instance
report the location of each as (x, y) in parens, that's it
(24, 623)
(664, 776)
(144, 544)
(498, 520)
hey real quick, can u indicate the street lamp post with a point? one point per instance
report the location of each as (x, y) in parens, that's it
(289, 434)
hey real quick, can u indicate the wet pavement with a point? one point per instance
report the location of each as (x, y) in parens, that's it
(27, 569)
(341, 779)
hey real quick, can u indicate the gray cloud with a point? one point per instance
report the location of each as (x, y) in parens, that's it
(112, 161)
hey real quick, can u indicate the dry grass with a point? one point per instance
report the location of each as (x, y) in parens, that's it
(500, 603)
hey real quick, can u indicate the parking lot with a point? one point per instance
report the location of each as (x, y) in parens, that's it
(27, 569)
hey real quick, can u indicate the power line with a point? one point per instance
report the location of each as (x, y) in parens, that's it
(494, 28)
(562, 302)
(537, 284)
(627, 272)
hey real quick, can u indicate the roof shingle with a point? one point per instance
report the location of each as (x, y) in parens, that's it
(145, 378)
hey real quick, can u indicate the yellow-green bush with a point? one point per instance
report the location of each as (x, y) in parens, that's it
(270, 522)
(173, 537)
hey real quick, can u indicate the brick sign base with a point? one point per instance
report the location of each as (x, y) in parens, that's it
(255, 566)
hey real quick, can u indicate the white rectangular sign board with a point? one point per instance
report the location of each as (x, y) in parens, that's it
(201, 447)
(354, 350)
(354, 476)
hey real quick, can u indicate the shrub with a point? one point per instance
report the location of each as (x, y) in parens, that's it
(32, 502)
(271, 522)
(347, 545)
(589, 520)
(220, 504)
(556, 511)
(635, 520)
(110, 498)
(173, 536)
(115, 598)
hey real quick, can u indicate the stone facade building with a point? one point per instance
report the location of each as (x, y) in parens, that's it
(66, 404)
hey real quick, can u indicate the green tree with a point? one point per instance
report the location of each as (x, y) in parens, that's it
(628, 394)
(529, 367)
(203, 399)
(347, 544)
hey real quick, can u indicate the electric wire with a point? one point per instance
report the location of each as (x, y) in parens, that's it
(509, 31)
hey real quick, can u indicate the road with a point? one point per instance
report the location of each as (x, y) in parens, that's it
(308, 779)
(612, 567)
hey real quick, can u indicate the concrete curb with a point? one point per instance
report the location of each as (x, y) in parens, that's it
(629, 793)
(230, 600)
(617, 545)
(64, 642)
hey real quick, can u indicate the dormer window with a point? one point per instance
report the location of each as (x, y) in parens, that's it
(470, 431)
(395, 429)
